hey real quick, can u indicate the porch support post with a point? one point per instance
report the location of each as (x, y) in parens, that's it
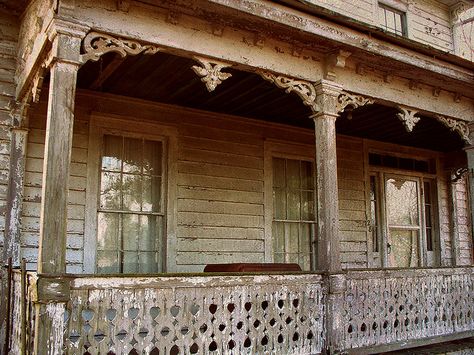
(470, 166)
(328, 257)
(19, 138)
(64, 63)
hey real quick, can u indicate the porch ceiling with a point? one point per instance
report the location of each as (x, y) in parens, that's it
(169, 79)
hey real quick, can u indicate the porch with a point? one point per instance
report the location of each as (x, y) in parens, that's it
(356, 311)
(215, 166)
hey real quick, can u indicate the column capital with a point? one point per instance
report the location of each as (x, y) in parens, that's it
(66, 39)
(327, 94)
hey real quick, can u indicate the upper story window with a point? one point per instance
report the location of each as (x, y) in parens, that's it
(392, 20)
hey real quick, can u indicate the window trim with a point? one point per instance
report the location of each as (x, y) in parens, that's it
(101, 124)
(285, 150)
(397, 8)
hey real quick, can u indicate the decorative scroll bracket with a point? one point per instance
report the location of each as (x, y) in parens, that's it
(348, 102)
(457, 126)
(408, 118)
(458, 174)
(210, 72)
(97, 44)
(304, 89)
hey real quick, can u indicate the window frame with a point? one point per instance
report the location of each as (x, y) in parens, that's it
(101, 125)
(285, 150)
(396, 8)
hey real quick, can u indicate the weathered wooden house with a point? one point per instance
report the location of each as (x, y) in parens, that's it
(141, 140)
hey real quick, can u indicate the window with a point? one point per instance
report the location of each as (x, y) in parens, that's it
(392, 20)
(293, 212)
(402, 213)
(130, 215)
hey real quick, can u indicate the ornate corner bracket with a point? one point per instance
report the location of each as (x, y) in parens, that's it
(348, 102)
(458, 174)
(457, 126)
(97, 44)
(304, 89)
(210, 72)
(408, 117)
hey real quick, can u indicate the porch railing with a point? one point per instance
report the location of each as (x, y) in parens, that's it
(362, 311)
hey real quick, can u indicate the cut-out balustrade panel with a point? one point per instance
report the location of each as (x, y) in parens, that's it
(394, 306)
(273, 314)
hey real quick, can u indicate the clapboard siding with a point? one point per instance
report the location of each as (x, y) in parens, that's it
(9, 29)
(430, 23)
(463, 223)
(352, 207)
(32, 192)
(359, 9)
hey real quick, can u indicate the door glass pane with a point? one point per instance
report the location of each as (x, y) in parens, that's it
(402, 202)
(403, 250)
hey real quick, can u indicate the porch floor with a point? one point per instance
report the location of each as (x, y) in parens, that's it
(456, 347)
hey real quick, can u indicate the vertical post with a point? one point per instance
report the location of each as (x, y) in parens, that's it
(64, 63)
(470, 165)
(328, 258)
(460, 45)
(15, 183)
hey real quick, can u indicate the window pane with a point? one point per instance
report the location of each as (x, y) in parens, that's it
(130, 262)
(148, 262)
(294, 205)
(110, 191)
(279, 204)
(150, 232)
(402, 202)
(108, 231)
(151, 198)
(131, 231)
(278, 172)
(293, 174)
(307, 182)
(278, 237)
(404, 248)
(107, 262)
(132, 155)
(307, 205)
(132, 192)
(152, 157)
(112, 157)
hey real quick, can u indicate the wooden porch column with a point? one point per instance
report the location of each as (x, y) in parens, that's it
(57, 157)
(19, 140)
(470, 165)
(328, 257)
(52, 288)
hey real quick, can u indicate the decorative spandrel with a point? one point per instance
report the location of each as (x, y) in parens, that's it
(408, 117)
(457, 126)
(210, 72)
(348, 102)
(97, 44)
(304, 89)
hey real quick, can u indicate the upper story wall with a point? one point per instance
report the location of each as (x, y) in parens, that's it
(426, 21)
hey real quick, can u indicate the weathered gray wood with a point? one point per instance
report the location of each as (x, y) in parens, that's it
(328, 257)
(12, 243)
(53, 225)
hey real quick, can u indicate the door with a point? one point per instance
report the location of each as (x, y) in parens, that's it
(403, 221)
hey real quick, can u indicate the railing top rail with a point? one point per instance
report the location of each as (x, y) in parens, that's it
(183, 281)
(407, 272)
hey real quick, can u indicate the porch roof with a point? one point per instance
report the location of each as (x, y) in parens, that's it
(169, 79)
